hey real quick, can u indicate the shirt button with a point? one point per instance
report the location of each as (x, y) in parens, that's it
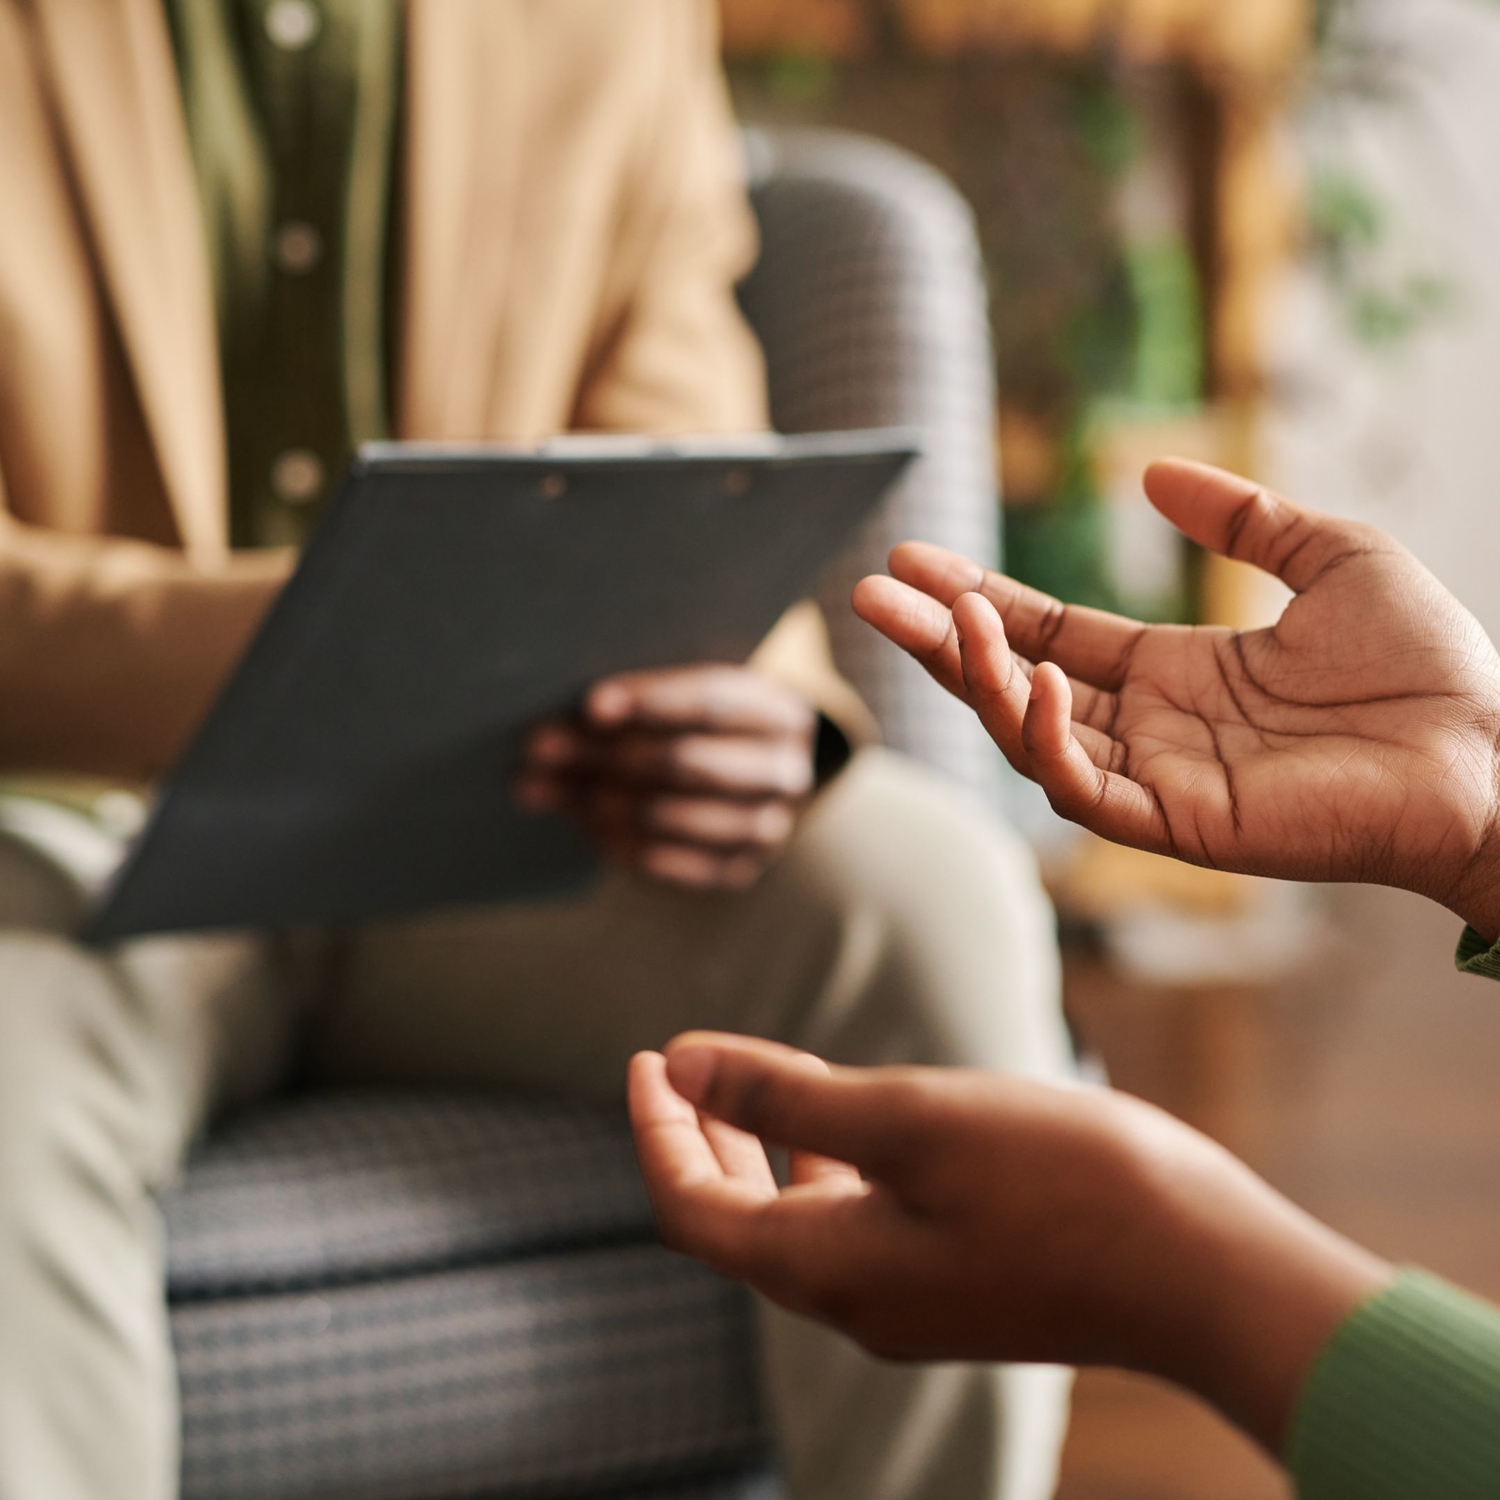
(297, 476)
(293, 24)
(297, 248)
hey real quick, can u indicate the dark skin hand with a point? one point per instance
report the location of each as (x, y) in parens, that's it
(941, 1214)
(1356, 739)
(695, 776)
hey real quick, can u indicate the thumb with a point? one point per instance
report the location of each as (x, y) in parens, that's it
(1238, 518)
(790, 1098)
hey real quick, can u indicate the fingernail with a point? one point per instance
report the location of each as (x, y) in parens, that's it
(690, 1070)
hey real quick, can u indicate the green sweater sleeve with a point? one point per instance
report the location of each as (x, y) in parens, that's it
(1475, 956)
(1404, 1403)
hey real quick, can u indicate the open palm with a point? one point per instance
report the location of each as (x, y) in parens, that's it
(1356, 739)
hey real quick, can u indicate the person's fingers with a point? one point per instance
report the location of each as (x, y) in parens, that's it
(719, 699)
(630, 818)
(1241, 519)
(996, 689)
(764, 826)
(926, 630)
(684, 1146)
(1000, 693)
(810, 1169)
(919, 625)
(711, 822)
(680, 1149)
(741, 1155)
(728, 848)
(669, 1136)
(1079, 789)
(700, 1208)
(730, 766)
(1088, 644)
(792, 1246)
(793, 1099)
(697, 869)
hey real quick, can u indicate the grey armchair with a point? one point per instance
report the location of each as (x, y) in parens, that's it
(405, 1297)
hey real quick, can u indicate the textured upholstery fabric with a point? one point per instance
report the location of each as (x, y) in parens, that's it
(386, 1297)
(403, 1297)
(341, 1187)
(869, 300)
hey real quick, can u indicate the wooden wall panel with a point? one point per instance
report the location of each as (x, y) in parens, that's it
(826, 28)
(1240, 36)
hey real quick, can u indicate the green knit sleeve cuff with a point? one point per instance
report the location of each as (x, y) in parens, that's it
(1475, 956)
(1404, 1403)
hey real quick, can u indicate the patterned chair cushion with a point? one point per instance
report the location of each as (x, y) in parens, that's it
(350, 1187)
(395, 1297)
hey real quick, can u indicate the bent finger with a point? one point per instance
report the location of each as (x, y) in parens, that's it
(697, 869)
(738, 1224)
(997, 689)
(722, 699)
(740, 1154)
(919, 625)
(720, 824)
(737, 766)
(669, 1136)
(1091, 645)
(807, 1167)
(1078, 787)
(1000, 691)
(627, 813)
(794, 1099)
(928, 631)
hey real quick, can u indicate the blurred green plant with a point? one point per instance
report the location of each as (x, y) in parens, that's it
(1349, 228)
(1136, 344)
(799, 79)
(1354, 231)
(1170, 354)
(1089, 311)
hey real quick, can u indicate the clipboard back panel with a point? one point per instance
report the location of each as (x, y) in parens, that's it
(360, 762)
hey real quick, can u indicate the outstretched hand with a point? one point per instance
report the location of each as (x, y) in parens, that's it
(941, 1214)
(1356, 739)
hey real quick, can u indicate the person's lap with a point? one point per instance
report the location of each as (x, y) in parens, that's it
(900, 925)
(859, 941)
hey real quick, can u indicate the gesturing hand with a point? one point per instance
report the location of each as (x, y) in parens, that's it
(1356, 739)
(694, 775)
(938, 1214)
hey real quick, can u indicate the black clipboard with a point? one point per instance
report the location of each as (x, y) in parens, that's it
(361, 761)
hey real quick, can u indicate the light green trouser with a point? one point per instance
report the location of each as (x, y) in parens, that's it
(901, 925)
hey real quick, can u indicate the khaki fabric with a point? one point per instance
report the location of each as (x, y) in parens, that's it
(901, 924)
(574, 223)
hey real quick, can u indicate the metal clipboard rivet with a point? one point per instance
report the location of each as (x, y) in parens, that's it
(554, 486)
(737, 482)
